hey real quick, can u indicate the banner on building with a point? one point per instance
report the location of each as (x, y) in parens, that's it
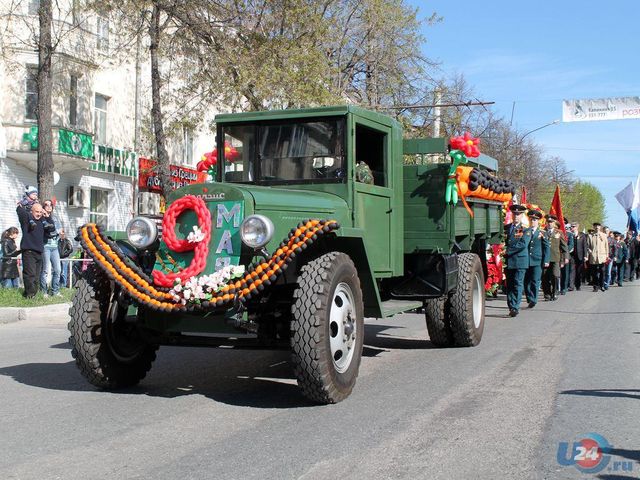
(596, 109)
(149, 181)
(74, 143)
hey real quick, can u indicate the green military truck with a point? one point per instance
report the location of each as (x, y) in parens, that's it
(312, 222)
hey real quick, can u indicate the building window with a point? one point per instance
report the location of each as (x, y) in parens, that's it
(73, 100)
(34, 6)
(31, 98)
(102, 34)
(100, 111)
(187, 146)
(99, 207)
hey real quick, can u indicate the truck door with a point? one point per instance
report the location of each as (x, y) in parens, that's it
(373, 193)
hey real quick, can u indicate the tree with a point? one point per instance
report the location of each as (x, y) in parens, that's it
(45, 146)
(164, 172)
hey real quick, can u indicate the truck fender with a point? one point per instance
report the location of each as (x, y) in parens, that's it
(355, 248)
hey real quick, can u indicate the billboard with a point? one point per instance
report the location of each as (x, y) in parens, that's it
(149, 181)
(596, 109)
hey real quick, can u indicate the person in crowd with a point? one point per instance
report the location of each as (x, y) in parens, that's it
(517, 257)
(32, 224)
(558, 255)
(608, 279)
(568, 267)
(65, 249)
(538, 258)
(50, 254)
(9, 275)
(598, 254)
(29, 198)
(631, 256)
(636, 248)
(619, 258)
(580, 256)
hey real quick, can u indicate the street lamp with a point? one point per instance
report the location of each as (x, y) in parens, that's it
(519, 143)
(539, 128)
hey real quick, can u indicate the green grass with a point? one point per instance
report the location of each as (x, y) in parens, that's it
(12, 297)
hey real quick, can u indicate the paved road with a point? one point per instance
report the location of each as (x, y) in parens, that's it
(500, 410)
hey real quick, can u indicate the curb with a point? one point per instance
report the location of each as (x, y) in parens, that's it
(58, 311)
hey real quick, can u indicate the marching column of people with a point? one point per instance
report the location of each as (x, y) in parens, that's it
(538, 257)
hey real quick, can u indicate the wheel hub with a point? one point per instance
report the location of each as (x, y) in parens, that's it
(342, 327)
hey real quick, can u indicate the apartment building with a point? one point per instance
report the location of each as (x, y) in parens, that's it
(96, 125)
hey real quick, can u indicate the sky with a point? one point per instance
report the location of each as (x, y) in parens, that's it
(537, 54)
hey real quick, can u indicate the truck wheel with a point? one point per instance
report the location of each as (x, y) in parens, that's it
(108, 350)
(327, 328)
(438, 324)
(466, 304)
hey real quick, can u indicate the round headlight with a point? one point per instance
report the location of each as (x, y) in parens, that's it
(256, 231)
(142, 232)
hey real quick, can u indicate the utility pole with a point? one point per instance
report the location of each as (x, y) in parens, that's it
(437, 97)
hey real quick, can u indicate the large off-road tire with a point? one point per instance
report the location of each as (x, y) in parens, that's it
(438, 322)
(466, 304)
(108, 350)
(327, 328)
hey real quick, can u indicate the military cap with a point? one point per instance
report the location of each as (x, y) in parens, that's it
(535, 214)
(516, 208)
(551, 218)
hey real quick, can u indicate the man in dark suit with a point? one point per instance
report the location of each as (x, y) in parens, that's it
(517, 241)
(568, 267)
(538, 258)
(580, 256)
(631, 255)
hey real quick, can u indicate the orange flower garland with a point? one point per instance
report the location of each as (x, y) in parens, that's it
(108, 257)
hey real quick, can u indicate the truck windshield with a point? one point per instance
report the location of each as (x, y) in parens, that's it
(286, 152)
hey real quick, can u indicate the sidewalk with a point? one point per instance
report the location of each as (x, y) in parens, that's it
(58, 313)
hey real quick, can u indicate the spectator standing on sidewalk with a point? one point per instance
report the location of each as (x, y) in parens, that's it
(31, 245)
(9, 275)
(50, 254)
(598, 250)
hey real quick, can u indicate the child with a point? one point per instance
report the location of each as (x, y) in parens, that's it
(9, 275)
(29, 198)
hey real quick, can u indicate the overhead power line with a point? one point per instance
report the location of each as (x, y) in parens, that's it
(410, 107)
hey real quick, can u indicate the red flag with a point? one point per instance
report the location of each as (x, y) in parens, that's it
(556, 209)
(523, 201)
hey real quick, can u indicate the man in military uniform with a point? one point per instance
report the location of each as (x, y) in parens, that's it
(538, 258)
(517, 244)
(558, 256)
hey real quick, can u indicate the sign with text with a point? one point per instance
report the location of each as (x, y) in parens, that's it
(180, 176)
(595, 109)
